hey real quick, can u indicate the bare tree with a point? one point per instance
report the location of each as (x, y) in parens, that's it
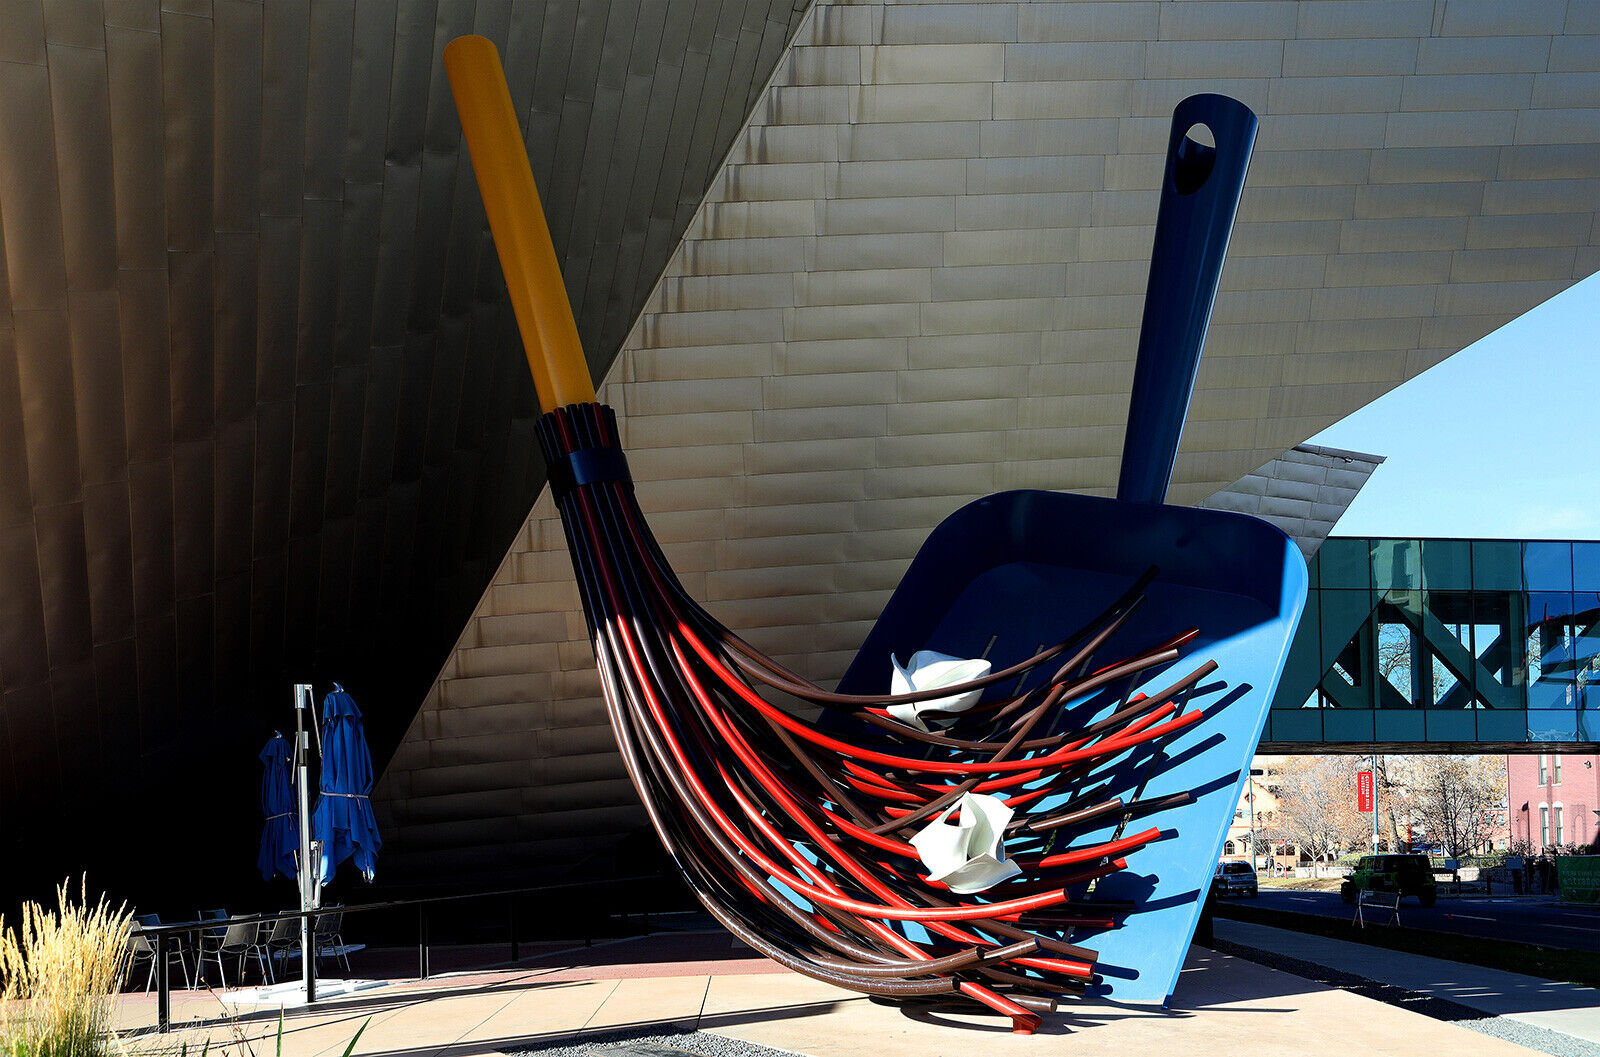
(1456, 799)
(1394, 657)
(1317, 808)
(1393, 808)
(1272, 841)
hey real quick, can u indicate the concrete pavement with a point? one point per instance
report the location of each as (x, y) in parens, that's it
(1569, 1009)
(1220, 1001)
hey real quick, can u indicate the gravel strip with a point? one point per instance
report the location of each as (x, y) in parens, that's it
(655, 1044)
(1534, 1038)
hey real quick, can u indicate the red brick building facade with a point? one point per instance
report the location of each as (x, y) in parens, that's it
(1554, 799)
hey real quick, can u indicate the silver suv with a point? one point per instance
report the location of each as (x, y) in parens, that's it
(1234, 878)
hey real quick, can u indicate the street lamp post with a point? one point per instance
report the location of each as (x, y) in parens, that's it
(1250, 798)
(1374, 803)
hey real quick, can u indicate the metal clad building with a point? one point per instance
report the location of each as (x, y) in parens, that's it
(840, 268)
(1465, 645)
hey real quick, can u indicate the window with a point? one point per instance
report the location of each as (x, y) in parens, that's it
(1544, 777)
(1544, 825)
(1558, 769)
(1560, 835)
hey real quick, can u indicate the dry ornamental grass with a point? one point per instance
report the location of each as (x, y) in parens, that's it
(58, 972)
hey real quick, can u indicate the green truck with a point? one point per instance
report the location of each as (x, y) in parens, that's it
(1409, 875)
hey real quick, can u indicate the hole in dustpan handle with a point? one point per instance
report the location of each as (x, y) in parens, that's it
(1200, 191)
(1196, 156)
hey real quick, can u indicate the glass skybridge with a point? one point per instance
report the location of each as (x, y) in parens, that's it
(1444, 645)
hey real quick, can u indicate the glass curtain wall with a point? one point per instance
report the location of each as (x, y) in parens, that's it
(1445, 641)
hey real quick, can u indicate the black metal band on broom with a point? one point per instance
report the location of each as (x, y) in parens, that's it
(796, 838)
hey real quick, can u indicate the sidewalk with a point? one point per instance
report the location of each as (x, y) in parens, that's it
(635, 985)
(1566, 1008)
(1500, 892)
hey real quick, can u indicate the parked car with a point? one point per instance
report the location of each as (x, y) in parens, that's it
(1234, 878)
(1409, 875)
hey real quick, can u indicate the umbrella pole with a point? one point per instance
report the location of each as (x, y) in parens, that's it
(308, 878)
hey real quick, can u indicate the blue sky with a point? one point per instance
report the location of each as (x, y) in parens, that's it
(1500, 440)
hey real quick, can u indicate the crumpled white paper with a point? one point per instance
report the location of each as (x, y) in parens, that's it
(930, 670)
(968, 856)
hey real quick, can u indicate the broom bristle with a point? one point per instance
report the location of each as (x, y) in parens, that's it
(795, 835)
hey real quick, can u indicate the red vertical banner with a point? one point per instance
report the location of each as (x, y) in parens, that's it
(1363, 790)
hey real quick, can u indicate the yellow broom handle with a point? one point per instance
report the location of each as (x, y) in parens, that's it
(516, 220)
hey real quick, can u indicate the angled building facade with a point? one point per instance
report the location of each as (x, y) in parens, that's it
(918, 279)
(840, 267)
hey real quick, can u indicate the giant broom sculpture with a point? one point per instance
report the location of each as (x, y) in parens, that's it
(801, 837)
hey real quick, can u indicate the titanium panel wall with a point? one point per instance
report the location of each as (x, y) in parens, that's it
(918, 279)
(262, 416)
(1304, 491)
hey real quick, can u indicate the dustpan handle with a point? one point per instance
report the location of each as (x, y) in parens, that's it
(1200, 191)
(516, 220)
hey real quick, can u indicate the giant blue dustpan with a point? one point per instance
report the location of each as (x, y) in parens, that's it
(1019, 570)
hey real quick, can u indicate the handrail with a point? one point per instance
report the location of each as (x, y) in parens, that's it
(350, 908)
(162, 933)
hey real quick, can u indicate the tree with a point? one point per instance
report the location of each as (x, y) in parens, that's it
(1271, 842)
(1317, 804)
(1392, 805)
(1456, 799)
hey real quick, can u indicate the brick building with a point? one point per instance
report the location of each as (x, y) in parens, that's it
(1554, 799)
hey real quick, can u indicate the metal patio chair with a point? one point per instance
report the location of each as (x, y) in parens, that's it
(142, 951)
(328, 941)
(239, 939)
(208, 943)
(283, 940)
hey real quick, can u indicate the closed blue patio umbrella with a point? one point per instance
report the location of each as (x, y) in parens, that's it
(342, 819)
(279, 832)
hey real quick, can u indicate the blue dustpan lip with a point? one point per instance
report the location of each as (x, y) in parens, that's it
(1005, 528)
(1258, 561)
